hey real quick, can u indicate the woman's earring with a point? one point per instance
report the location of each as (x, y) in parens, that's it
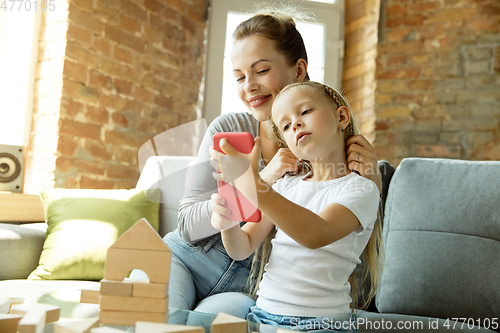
(342, 129)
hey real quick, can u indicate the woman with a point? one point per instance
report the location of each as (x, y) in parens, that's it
(268, 54)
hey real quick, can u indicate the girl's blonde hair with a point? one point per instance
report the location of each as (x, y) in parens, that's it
(373, 254)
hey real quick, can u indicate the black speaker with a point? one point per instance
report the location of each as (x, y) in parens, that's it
(11, 168)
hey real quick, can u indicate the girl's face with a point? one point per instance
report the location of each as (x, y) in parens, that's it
(310, 124)
(261, 72)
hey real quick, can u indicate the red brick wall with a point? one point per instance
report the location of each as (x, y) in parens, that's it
(438, 80)
(358, 79)
(111, 75)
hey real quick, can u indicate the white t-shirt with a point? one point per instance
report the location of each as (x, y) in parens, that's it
(303, 282)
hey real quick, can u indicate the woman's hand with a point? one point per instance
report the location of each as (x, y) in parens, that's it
(361, 157)
(219, 213)
(284, 161)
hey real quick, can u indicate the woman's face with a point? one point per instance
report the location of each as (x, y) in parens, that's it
(261, 72)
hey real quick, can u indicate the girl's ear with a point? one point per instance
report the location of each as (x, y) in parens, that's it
(301, 70)
(344, 116)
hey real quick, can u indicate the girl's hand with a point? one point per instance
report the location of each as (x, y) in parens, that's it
(284, 161)
(361, 157)
(219, 221)
(238, 169)
(228, 167)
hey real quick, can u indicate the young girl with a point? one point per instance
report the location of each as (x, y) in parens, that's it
(201, 268)
(324, 216)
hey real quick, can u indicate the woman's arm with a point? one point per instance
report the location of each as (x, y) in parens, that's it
(195, 209)
(365, 163)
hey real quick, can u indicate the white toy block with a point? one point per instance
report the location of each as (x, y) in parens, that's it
(152, 290)
(76, 326)
(145, 327)
(4, 305)
(117, 288)
(15, 301)
(9, 322)
(32, 321)
(90, 296)
(52, 312)
(129, 318)
(225, 323)
(156, 264)
(140, 304)
(141, 236)
(105, 329)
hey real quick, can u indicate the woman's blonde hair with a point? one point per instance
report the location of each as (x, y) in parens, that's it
(277, 25)
(373, 254)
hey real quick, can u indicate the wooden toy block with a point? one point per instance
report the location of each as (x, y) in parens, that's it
(105, 329)
(9, 322)
(141, 236)
(76, 326)
(144, 327)
(129, 318)
(152, 290)
(90, 296)
(32, 321)
(52, 312)
(117, 288)
(141, 304)
(156, 264)
(4, 305)
(225, 323)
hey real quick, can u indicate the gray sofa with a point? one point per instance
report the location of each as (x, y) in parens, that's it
(441, 237)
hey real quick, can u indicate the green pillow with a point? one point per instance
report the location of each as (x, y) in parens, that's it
(83, 224)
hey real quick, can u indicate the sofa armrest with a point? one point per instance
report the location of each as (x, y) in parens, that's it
(20, 249)
(169, 174)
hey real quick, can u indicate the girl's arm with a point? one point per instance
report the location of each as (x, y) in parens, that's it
(305, 227)
(284, 161)
(241, 242)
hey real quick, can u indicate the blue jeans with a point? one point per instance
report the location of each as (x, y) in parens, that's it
(201, 270)
(345, 323)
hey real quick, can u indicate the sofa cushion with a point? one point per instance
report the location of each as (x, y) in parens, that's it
(369, 322)
(20, 246)
(82, 224)
(442, 240)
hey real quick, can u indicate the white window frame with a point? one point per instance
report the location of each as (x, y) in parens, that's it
(331, 15)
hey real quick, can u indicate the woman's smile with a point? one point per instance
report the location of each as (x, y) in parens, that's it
(257, 101)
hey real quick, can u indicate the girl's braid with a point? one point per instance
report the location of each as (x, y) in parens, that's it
(340, 101)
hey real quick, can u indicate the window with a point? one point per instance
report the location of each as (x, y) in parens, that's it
(322, 38)
(19, 33)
